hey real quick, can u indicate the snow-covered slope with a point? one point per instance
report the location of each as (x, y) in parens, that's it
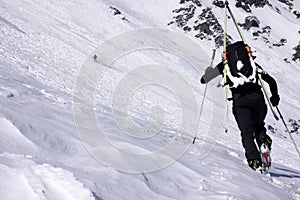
(43, 47)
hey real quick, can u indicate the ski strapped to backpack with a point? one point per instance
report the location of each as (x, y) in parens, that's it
(225, 63)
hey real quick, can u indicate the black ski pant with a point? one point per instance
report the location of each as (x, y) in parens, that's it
(250, 111)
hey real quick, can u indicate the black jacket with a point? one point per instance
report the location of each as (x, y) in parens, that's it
(247, 87)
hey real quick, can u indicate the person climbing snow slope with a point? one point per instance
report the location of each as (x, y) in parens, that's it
(249, 107)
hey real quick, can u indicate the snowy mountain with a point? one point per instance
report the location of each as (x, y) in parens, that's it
(134, 68)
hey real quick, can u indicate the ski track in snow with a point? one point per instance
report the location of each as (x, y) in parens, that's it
(43, 45)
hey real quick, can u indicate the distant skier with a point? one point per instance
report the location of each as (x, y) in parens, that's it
(95, 58)
(249, 107)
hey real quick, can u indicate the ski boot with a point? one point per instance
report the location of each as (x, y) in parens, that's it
(255, 164)
(265, 152)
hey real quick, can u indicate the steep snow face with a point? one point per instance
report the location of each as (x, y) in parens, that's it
(43, 46)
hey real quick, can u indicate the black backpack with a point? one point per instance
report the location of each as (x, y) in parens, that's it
(241, 70)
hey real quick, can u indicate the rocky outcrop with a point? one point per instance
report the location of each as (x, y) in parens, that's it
(204, 24)
(250, 21)
(296, 55)
(247, 4)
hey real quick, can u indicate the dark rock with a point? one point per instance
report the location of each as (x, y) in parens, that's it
(296, 55)
(242, 4)
(280, 43)
(255, 34)
(297, 13)
(246, 4)
(196, 2)
(288, 3)
(286, 60)
(295, 125)
(185, 15)
(218, 3)
(219, 40)
(10, 95)
(271, 129)
(208, 26)
(187, 28)
(267, 29)
(283, 41)
(250, 21)
(277, 10)
(266, 40)
(115, 11)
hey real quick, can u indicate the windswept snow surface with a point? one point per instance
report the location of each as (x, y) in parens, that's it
(43, 45)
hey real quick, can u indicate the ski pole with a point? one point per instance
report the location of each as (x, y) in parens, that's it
(205, 91)
(283, 121)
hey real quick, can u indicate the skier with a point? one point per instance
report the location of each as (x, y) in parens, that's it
(249, 108)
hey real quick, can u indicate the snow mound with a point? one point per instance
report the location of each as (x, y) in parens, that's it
(27, 180)
(12, 140)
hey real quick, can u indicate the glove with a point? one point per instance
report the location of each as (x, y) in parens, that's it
(275, 100)
(208, 69)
